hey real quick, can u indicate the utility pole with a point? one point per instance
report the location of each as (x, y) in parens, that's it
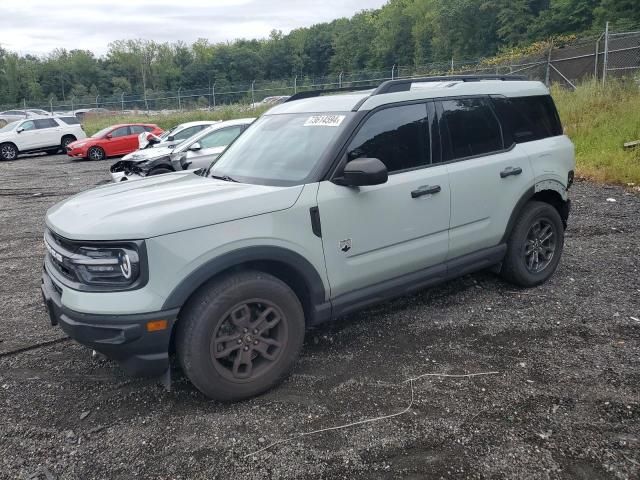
(122, 100)
(213, 94)
(606, 53)
(97, 97)
(340, 80)
(253, 101)
(179, 102)
(51, 105)
(392, 69)
(144, 83)
(295, 84)
(547, 77)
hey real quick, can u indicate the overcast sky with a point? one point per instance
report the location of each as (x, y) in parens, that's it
(39, 26)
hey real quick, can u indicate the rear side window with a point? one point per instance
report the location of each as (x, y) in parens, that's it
(148, 128)
(525, 119)
(397, 136)
(70, 120)
(45, 123)
(137, 129)
(469, 128)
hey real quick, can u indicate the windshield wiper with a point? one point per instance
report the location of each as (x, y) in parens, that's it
(226, 178)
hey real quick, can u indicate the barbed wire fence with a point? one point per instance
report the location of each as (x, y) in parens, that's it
(609, 55)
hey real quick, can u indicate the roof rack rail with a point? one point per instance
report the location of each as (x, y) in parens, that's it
(404, 84)
(317, 93)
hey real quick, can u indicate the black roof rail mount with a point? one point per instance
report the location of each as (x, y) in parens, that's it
(404, 84)
(317, 93)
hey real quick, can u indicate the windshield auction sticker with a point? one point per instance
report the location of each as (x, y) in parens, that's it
(324, 121)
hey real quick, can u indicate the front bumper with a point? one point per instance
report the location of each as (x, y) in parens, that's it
(77, 152)
(123, 338)
(123, 177)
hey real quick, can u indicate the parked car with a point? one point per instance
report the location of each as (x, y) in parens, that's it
(13, 115)
(198, 151)
(326, 204)
(81, 113)
(39, 111)
(173, 136)
(38, 134)
(111, 141)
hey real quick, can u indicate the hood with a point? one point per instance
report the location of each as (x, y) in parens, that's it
(82, 143)
(148, 153)
(163, 204)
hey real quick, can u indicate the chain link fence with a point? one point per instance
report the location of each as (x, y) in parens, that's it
(612, 54)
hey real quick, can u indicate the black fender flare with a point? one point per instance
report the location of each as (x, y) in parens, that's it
(215, 266)
(515, 213)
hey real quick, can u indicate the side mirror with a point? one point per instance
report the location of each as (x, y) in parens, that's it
(108, 136)
(170, 138)
(20, 130)
(363, 171)
(195, 147)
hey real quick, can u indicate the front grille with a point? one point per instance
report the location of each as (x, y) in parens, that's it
(59, 249)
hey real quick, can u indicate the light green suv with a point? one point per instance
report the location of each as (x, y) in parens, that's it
(326, 204)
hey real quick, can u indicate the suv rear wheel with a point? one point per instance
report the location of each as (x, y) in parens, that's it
(240, 335)
(535, 245)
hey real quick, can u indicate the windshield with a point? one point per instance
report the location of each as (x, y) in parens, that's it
(280, 149)
(101, 133)
(9, 127)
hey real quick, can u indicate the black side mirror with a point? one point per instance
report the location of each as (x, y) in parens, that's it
(171, 138)
(363, 171)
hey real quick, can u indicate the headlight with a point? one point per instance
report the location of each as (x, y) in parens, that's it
(97, 265)
(107, 266)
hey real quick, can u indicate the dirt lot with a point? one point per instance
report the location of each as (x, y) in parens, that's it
(565, 402)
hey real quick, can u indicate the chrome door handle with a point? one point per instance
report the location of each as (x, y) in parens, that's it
(425, 190)
(507, 172)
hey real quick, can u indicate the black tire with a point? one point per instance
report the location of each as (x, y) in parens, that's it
(535, 245)
(96, 153)
(8, 151)
(66, 140)
(230, 310)
(159, 171)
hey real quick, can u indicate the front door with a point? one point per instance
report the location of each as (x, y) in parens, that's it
(120, 141)
(376, 233)
(27, 136)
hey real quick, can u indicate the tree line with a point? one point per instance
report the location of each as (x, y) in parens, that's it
(402, 32)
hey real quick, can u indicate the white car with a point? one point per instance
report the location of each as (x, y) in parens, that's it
(39, 134)
(173, 136)
(196, 152)
(9, 116)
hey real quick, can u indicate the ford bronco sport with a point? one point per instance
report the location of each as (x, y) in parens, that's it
(324, 205)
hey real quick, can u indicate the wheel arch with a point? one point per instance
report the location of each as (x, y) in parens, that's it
(546, 192)
(290, 267)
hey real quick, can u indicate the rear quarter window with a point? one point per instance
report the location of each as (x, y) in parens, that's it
(526, 119)
(69, 120)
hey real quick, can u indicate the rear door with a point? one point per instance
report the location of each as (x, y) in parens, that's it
(212, 145)
(487, 174)
(49, 133)
(377, 233)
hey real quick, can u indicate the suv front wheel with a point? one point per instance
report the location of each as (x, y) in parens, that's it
(535, 245)
(240, 335)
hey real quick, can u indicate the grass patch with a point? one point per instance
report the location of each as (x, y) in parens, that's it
(599, 120)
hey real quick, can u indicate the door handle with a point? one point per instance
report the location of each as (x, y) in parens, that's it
(507, 172)
(425, 190)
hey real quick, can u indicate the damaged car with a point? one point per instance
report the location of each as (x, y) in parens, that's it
(172, 137)
(196, 152)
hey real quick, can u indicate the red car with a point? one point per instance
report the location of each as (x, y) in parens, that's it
(112, 141)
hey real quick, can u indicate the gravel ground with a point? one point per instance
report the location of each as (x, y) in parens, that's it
(565, 402)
